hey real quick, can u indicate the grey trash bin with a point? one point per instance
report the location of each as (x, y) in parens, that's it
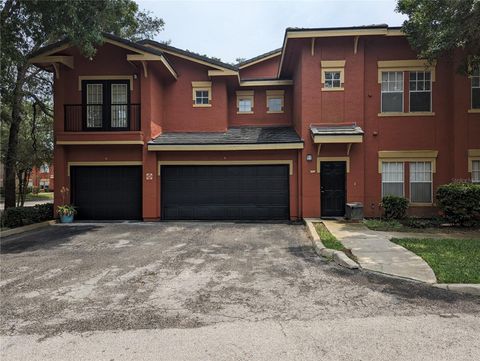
(354, 211)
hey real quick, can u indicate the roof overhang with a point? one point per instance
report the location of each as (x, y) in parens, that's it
(213, 147)
(259, 59)
(382, 30)
(324, 139)
(141, 53)
(336, 133)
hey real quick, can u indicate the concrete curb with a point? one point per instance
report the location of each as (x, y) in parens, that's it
(339, 257)
(30, 227)
(343, 260)
(467, 288)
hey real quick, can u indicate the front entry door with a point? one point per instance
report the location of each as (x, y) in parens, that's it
(332, 188)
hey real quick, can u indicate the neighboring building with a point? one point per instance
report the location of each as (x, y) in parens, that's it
(148, 131)
(42, 179)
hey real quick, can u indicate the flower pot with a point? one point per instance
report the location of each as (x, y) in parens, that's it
(66, 219)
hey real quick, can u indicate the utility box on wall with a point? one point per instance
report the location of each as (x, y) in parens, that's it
(354, 211)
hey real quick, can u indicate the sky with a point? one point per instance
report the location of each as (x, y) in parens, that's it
(246, 28)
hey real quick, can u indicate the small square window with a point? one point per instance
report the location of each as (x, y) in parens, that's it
(275, 105)
(245, 105)
(245, 101)
(332, 79)
(201, 97)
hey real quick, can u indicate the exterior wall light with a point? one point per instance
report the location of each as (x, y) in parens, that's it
(309, 157)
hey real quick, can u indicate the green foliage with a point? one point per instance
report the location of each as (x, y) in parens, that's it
(460, 202)
(66, 210)
(28, 25)
(394, 207)
(452, 260)
(327, 238)
(435, 28)
(23, 216)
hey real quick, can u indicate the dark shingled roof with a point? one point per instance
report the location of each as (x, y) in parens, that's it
(331, 129)
(258, 57)
(234, 135)
(187, 53)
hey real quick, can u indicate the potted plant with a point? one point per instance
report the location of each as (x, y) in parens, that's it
(65, 211)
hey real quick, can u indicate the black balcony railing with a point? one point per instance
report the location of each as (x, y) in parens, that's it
(101, 117)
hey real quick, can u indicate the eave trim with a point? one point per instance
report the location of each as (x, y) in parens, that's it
(209, 147)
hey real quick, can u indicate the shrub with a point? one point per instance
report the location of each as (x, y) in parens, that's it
(23, 216)
(460, 203)
(394, 207)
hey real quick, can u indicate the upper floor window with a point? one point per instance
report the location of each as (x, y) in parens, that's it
(333, 74)
(392, 91)
(106, 104)
(475, 171)
(245, 102)
(275, 101)
(392, 179)
(44, 168)
(202, 93)
(420, 91)
(476, 89)
(332, 79)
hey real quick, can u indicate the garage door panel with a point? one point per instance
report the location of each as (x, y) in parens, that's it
(225, 192)
(107, 193)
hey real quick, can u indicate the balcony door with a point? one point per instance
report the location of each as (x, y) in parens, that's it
(106, 104)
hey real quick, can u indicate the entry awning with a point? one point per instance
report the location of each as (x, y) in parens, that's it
(336, 133)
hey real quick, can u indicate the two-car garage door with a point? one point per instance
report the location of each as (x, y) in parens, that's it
(203, 192)
(245, 192)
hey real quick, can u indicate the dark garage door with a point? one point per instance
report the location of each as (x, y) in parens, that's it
(107, 193)
(225, 192)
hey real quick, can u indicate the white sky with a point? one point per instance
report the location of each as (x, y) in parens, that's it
(232, 29)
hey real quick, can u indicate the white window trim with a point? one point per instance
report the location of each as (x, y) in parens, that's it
(201, 86)
(275, 94)
(403, 176)
(416, 91)
(403, 93)
(333, 66)
(410, 184)
(247, 95)
(473, 155)
(472, 109)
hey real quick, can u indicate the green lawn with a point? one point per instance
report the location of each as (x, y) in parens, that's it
(417, 225)
(327, 238)
(39, 197)
(384, 225)
(452, 260)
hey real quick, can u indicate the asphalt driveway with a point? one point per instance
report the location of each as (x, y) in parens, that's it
(111, 278)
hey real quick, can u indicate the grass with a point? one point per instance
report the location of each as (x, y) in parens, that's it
(452, 260)
(384, 225)
(327, 238)
(39, 196)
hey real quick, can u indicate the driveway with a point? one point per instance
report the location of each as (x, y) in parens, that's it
(214, 291)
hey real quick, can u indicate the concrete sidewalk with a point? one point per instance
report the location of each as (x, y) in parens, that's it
(375, 252)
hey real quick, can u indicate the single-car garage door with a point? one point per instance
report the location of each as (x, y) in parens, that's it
(107, 193)
(246, 192)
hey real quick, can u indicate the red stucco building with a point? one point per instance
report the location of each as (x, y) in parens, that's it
(148, 131)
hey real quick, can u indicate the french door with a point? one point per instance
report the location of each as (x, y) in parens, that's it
(106, 104)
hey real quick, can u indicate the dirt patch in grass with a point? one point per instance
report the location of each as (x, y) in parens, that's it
(452, 260)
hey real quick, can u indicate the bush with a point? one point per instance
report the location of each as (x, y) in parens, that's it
(23, 216)
(460, 203)
(394, 207)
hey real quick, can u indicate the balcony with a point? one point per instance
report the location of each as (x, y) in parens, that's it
(102, 117)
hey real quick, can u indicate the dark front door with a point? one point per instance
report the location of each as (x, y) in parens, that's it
(107, 193)
(246, 192)
(332, 188)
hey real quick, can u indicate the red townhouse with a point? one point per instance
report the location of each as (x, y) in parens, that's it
(337, 115)
(42, 178)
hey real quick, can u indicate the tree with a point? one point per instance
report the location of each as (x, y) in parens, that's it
(26, 26)
(436, 28)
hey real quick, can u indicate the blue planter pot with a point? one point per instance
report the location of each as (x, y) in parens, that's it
(66, 219)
